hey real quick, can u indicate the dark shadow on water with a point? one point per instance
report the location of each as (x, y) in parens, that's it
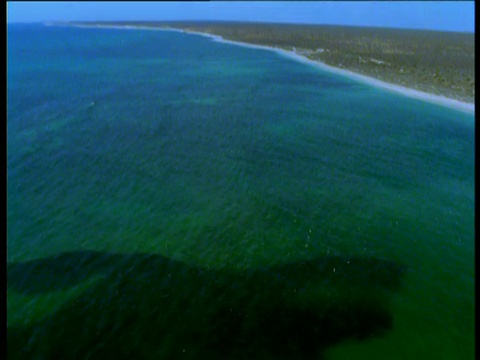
(152, 307)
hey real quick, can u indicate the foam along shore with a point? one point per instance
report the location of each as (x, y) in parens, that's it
(416, 94)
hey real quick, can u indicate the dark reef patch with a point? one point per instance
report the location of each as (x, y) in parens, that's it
(150, 307)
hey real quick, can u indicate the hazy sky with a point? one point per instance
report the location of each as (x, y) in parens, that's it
(434, 15)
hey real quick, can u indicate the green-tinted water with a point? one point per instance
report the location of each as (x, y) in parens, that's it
(169, 196)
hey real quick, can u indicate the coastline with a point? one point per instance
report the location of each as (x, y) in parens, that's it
(402, 90)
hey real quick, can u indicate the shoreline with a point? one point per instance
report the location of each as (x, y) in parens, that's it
(398, 89)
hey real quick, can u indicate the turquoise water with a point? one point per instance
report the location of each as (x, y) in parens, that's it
(170, 196)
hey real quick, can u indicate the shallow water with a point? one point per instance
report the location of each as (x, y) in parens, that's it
(173, 196)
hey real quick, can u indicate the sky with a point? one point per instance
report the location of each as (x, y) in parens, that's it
(431, 15)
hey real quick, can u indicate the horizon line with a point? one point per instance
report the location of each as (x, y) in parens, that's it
(240, 22)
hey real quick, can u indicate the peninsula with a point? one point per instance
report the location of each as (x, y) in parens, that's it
(432, 62)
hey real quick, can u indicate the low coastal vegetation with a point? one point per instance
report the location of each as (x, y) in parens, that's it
(436, 62)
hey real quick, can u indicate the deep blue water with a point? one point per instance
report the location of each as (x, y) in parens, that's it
(171, 196)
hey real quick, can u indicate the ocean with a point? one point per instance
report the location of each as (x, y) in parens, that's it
(169, 196)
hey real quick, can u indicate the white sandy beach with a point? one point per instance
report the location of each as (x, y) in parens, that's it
(436, 99)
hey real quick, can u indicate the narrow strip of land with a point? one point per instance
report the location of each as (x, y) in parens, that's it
(430, 65)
